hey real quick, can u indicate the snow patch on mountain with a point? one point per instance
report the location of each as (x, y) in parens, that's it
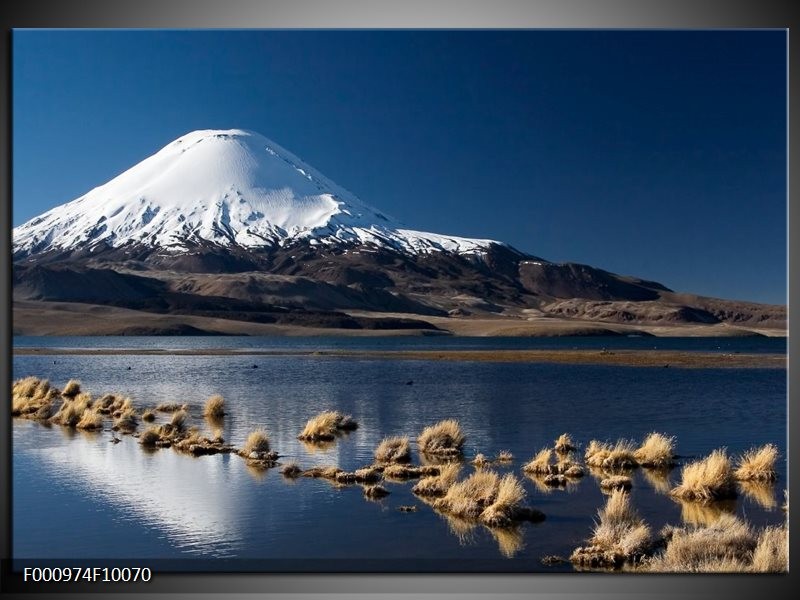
(229, 188)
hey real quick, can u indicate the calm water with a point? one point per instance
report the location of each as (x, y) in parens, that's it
(75, 495)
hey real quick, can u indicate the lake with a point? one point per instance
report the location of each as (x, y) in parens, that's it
(76, 496)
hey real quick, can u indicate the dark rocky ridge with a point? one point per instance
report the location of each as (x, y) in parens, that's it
(312, 285)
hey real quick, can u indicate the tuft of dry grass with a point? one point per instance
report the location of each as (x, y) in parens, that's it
(437, 485)
(619, 537)
(148, 416)
(168, 407)
(71, 411)
(758, 464)
(394, 449)
(32, 397)
(325, 425)
(509, 495)
(257, 441)
(72, 388)
(564, 444)
(90, 420)
(504, 456)
(215, 407)
(621, 456)
(469, 497)
(596, 452)
(480, 461)
(445, 438)
(727, 545)
(539, 464)
(616, 482)
(771, 554)
(485, 496)
(149, 437)
(126, 423)
(708, 479)
(657, 451)
(178, 421)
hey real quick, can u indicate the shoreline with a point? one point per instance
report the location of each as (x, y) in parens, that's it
(624, 358)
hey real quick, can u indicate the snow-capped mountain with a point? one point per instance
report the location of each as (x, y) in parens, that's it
(224, 188)
(224, 231)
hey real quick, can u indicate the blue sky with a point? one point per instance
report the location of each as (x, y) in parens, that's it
(660, 154)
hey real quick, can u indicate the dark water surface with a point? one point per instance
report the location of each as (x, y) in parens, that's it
(75, 495)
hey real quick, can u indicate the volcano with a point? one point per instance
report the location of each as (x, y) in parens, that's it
(226, 231)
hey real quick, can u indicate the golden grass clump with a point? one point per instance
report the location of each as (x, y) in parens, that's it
(621, 456)
(32, 397)
(71, 411)
(727, 545)
(148, 416)
(169, 407)
(771, 554)
(480, 461)
(445, 438)
(710, 478)
(485, 496)
(72, 388)
(215, 407)
(257, 442)
(596, 452)
(616, 482)
(437, 485)
(149, 437)
(504, 456)
(757, 464)
(657, 451)
(320, 427)
(394, 449)
(469, 497)
(126, 422)
(539, 464)
(567, 467)
(90, 420)
(564, 444)
(508, 499)
(619, 537)
(178, 420)
(325, 425)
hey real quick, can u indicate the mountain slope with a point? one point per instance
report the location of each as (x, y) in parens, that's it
(231, 189)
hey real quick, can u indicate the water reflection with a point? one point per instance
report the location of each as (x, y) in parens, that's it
(217, 506)
(187, 498)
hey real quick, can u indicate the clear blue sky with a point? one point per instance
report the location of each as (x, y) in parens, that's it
(652, 153)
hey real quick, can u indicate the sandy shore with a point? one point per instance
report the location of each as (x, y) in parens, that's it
(627, 358)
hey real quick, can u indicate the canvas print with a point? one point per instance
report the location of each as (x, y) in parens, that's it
(400, 301)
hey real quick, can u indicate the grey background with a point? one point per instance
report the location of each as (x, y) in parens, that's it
(382, 14)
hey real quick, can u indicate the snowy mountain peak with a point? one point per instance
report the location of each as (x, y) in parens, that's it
(228, 188)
